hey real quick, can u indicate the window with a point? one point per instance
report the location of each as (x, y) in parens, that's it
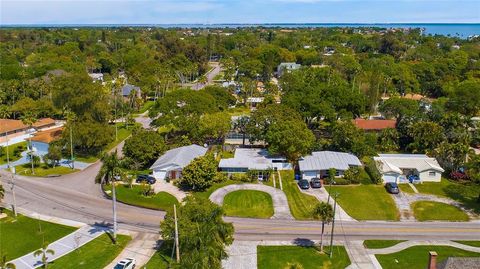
(431, 173)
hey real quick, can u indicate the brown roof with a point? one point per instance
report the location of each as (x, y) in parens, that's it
(44, 122)
(49, 135)
(374, 124)
(414, 96)
(7, 125)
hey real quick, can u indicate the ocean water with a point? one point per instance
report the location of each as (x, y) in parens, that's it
(461, 30)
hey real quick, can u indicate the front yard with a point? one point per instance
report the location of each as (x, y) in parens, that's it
(248, 204)
(278, 257)
(375, 244)
(43, 170)
(366, 202)
(429, 210)
(96, 254)
(134, 196)
(467, 195)
(301, 205)
(417, 257)
(12, 149)
(24, 235)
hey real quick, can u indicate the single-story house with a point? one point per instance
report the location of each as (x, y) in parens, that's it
(41, 140)
(397, 167)
(96, 77)
(254, 101)
(287, 67)
(318, 164)
(246, 159)
(128, 88)
(173, 161)
(12, 129)
(374, 125)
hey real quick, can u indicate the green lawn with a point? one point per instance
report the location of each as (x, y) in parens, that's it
(417, 257)
(467, 195)
(374, 244)
(11, 150)
(214, 187)
(161, 258)
(146, 106)
(43, 170)
(133, 196)
(278, 257)
(428, 210)
(248, 204)
(367, 202)
(406, 188)
(470, 243)
(96, 254)
(23, 235)
(301, 205)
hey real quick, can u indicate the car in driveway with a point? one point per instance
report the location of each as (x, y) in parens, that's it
(127, 263)
(303, 184)
(146, 178)
(315, 183)
(392, 188)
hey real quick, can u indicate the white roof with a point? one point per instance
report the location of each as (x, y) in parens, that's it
(396, 162)
(180, 157)
(252, 159)
(96, 75)
(324, 160)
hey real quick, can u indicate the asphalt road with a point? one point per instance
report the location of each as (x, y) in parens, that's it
(77, 197)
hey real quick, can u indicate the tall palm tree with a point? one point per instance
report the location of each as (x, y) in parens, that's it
(2, 193)
(6, 265)
(29, 119)
(323, 212)
(43, 252)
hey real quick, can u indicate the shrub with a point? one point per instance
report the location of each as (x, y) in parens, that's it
(458, 175)
(241, 177)
(220, 177)
(341, 181)
(372, 170)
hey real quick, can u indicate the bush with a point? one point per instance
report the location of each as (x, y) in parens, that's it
(372, 170)
(342, 181)
(220, 177)
(241, 177)
(458, 176)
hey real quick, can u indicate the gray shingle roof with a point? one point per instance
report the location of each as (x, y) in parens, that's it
(127, 88)
(181, 156)
(460, 263)
(324, 160)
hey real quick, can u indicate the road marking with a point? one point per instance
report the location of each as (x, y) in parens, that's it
(239, 227)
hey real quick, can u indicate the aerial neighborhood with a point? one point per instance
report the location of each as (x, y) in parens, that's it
(248, 147)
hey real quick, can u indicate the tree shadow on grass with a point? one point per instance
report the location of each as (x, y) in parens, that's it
(466, 195)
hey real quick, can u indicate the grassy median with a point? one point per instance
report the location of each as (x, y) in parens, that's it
(43, 170)
(248, 204)
(375, 244)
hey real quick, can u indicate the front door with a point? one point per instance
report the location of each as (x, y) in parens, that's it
(173, 174)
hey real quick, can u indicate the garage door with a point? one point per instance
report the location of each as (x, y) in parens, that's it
(159, 175)
(309, 174)
(389, 177)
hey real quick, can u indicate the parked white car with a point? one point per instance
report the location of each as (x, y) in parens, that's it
(127, 263)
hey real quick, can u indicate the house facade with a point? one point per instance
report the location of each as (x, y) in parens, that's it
(319, 163)
(399, 168)
(287, 67)
(246, 159)
(40, 142)
(171, 164)
(15, 131)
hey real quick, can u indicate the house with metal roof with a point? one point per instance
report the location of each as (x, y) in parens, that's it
(287, 67)
(318, 163)
(128, 88)
(173, 161)
(399, 167)
(246, 159)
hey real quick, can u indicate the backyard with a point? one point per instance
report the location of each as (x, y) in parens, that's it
(96, 254)
(23, 235)
(301, 205)
(429, 210)
(274, 257)
(248, 204)
(134, 196)
(366, 202)
(417, 257)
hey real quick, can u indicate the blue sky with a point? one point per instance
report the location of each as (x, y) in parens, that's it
(236, 11)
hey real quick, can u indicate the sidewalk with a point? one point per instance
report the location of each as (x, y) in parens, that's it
(62, 246)
(141, 248)
(162, 185)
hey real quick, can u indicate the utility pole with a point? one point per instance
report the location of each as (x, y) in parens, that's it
(12, 188)
(176, 233)
(8, 156)
(114, 201)
(115, 121)
(71, 147)
(333, 223)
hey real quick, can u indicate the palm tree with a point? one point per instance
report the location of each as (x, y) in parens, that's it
(6, 265)
(324, 212)
(29, 119)
(43, 252)
(2, 193)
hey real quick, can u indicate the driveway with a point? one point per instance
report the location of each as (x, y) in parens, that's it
(280, 204)
(322, 195)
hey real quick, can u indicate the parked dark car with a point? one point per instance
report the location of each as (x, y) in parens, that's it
(303, 184)
(392, 188)
(315, 183)
(146, 178)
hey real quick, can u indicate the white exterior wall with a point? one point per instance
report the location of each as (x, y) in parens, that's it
(40, 148)
(390, 177)
(426, 177)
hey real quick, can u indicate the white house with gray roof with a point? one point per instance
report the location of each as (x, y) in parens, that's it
(128, 88)
(397, 167)
(246, 159)
(173, 161)
(318, 164)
